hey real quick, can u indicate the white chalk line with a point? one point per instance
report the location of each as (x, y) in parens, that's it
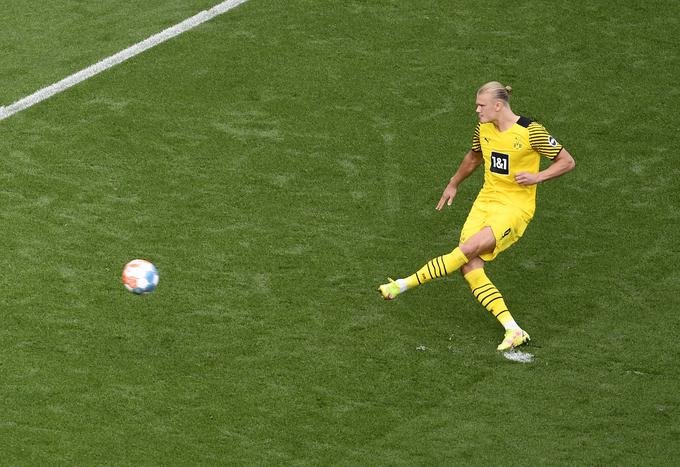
(518, 356)
(103, 65)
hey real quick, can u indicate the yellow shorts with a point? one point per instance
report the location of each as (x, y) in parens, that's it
(507, 223)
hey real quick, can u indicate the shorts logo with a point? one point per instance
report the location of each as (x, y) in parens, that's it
(506, 233)
(552, 141)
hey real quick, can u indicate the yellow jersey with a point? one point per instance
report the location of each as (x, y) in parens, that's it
(506, 153)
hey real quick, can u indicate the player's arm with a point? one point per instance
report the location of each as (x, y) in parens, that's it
(561, 164)
(471, 161)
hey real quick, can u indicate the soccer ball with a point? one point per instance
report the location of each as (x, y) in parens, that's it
(140, 276)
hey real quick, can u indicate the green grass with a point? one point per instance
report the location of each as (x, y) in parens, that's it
(276, 164)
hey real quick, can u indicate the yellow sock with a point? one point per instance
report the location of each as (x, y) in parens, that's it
(488, 295)
(437, 267)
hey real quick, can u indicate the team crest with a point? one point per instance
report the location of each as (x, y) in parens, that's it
(517, 144)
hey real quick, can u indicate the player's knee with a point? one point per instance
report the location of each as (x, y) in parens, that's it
(482, 242)
(469, 249)
(465, 269)
(473, 248)
(471, 265)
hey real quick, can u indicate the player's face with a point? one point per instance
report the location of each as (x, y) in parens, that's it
(487, 107)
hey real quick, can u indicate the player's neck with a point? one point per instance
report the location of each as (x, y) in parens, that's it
(506, 120)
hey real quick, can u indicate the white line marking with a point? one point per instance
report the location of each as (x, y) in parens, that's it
(519, 356)
(120, 57)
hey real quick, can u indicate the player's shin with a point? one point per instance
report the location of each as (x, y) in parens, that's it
(437, 267)
(488, 295)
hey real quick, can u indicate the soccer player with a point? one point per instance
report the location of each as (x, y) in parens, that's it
(510, 147)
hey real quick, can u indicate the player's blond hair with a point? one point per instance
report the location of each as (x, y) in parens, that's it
(497, 91)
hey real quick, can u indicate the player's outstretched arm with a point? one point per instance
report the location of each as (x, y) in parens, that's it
(562, 164)
(470, 162)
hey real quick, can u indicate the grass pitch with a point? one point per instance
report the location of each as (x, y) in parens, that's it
(276, 164)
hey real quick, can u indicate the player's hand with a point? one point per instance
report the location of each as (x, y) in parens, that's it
(526, 178)
(447, 197)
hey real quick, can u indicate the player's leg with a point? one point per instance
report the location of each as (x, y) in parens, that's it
(486, 292)
(490, 298)
(437, 267)
(482, 242)
(508, 226)
(478, 244)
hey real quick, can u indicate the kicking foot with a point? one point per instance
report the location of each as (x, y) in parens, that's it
(513, 338)
(390, 290)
